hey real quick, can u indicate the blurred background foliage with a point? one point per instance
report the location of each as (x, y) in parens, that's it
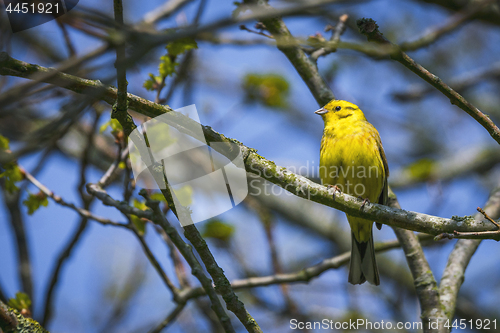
(442, 162)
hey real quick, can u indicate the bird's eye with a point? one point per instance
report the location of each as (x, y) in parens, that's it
(337, 108)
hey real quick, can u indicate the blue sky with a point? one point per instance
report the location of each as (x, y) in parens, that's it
(106, 254)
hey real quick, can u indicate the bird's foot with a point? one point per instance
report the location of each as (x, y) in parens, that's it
(365, 200)
(335, 189)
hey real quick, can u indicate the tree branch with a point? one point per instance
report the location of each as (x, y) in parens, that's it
(12, 321)
(453, 23)
(453, 275)
(425, 283)
(258, 165)
(13, 204)
(490, 14)
(369, 28)
(286, 43)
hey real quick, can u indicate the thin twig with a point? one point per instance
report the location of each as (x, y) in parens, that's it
(164, 11)
(13, 203)
(187, 253)
(369, 28)
(284, 39)
(453, 275)
(59, 200)
(180, 271)
(169, 319)
(108, 176)
(453, 23)
(459, 83)
(260, 33)
(303, 276)
(332, 47)
(478, 234)
(66, 252)
(425, 283)
(479, 209)
(67, 39)
(157, 266)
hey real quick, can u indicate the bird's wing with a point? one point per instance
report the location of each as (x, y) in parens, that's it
(384, 195)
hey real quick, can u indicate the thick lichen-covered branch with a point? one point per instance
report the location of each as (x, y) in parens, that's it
(453, 275)
(258, 165)
(423, 278)
(11, 321)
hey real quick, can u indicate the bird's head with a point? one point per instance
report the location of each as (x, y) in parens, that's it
(337, 110)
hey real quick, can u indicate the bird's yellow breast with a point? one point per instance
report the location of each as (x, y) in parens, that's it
(350, 158)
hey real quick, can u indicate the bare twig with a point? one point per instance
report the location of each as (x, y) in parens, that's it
(169, 319)
(260, 33)
(13, 204)
(479, 209)
(459, 83)
(476, 159)
(453, 23)
(121, 72)
(108, 176)
(332, 47)
(164, 11)
(187, 253)
(268, 222)
(453, 275)
(490, 15)
(284, 39)
(180, 271)
(256, 164)
(369, 28)
(66, 252)
(157, 266)
(303, 276)
(67, 39)
(480, 234)
(82, 212)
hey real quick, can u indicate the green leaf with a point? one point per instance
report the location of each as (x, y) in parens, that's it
(139, 222)
(12, 174)
(160, 133)
(167, 66)
(34, 202)
(180, 46)
(185, 195)
(218, 229)
(269, 89)
(421, 169)
(157, 196)
(22, 301)
(152, 83)
(4, 143)
(114, 124)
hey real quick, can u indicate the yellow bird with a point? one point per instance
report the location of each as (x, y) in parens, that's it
(353, 159)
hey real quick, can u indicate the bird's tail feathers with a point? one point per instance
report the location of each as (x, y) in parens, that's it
(363, 266)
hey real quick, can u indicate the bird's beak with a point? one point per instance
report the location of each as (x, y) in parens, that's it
(321, 111)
